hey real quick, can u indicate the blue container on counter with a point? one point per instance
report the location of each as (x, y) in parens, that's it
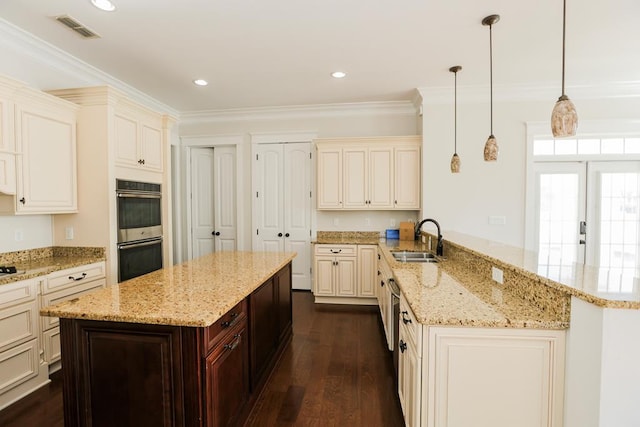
(393, 234)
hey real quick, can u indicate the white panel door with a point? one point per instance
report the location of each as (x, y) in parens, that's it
(213, 200)
(282, 187)
(224, 182)
(297, 211)
(269, 197)
(202, 202)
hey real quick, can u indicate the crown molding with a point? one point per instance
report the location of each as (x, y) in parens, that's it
(529, 92)
(27, 45)
(300, 111)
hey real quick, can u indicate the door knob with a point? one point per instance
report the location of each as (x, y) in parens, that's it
(286, 235)
(279, 234)
(215, 233)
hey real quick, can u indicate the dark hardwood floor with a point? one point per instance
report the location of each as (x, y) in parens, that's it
(336, 372)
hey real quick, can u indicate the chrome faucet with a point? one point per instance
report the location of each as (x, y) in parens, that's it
(439, 247)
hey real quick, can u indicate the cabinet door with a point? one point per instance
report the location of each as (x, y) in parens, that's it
(47, 164)
(381, 178)
(407, 177)
(151, 148)
(264, 336)
(7, 173)
(367, 271)
(324, 276)
(329, 178)
(126, 141)
(346, 275)
(227, 380)
(7, 149)
(409, 381)
(283, 279)
(355, 178)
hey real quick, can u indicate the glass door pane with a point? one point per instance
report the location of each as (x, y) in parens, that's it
(561, 207)
(614, 188)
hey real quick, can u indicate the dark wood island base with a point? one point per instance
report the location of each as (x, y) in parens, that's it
(133, 374)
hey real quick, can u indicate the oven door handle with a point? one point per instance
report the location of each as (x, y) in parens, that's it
(139, 245)
(140, 195)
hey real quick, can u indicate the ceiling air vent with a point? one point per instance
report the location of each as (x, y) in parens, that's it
(71, 23)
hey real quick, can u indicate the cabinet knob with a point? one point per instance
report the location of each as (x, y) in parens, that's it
(23, 201)
(381, 282)
(404, 319)
(402, 345)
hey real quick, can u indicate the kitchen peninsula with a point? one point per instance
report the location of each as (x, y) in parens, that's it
(188, 345)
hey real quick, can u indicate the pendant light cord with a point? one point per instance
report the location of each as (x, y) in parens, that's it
(455, 112)
(564, 31)
(491, 75)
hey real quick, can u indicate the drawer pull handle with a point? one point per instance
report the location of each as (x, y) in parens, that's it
(404, 319)
(227, 323)
(403, 346)
(75, 279)
(336, 252)
(234, 344)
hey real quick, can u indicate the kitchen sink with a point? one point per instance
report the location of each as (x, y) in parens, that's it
(414, 256)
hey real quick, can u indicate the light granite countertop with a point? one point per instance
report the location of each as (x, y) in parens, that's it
(448, 294)
(34, 263)
(195, 293)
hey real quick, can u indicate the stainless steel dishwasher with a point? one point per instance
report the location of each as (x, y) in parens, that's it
(395, 303)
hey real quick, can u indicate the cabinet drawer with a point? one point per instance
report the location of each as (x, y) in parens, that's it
(17, 293)
(66, 295)
(410, 324)
(18, 365)
(336, 250)
(217, 331)
(73, 276)
(18, 324)
(51, 344)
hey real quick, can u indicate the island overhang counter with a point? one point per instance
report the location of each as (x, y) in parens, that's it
(188, 345)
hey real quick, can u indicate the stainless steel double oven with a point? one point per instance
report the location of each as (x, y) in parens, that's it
(139, 228)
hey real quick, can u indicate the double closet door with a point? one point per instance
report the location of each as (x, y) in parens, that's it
(213, 200)
(282, 204)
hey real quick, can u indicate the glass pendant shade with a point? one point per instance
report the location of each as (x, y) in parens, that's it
(491, 149)
(455, 163)
(564, 118)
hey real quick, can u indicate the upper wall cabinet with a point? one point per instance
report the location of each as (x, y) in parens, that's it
(368, 173)
(138, 140)
(42, 145)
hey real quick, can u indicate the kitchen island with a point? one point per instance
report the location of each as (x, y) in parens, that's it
(188, 345)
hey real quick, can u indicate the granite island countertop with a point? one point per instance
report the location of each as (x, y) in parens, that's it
(195, 293)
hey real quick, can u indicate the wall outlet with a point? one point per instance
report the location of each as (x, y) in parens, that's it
(18, 235)
(68, 233)
(367, 222)
(497, 275)
(336, 221)
(497, 220)
(392, 222)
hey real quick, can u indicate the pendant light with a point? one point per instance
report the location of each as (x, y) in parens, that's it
(564, 118)
(491, 146)
(455, 159)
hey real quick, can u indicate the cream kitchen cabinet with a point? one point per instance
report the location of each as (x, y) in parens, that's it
(44, 180)
(367, 269)
(461, 376)
(60, 286)
(7, 145)
(138, 140)
(385, 300)
(368, 173)
(20, 369)
(335, 271)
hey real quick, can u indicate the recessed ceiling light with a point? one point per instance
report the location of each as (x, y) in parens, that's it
(338, 74)
(200, 82)
(105, 5)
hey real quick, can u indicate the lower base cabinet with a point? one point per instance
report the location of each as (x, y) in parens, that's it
(481, 377)
(125, 374)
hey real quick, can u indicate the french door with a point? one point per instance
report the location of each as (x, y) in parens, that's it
(213, 200)
(588, 212)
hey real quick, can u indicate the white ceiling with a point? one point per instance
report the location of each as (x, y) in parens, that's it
(261, 53)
